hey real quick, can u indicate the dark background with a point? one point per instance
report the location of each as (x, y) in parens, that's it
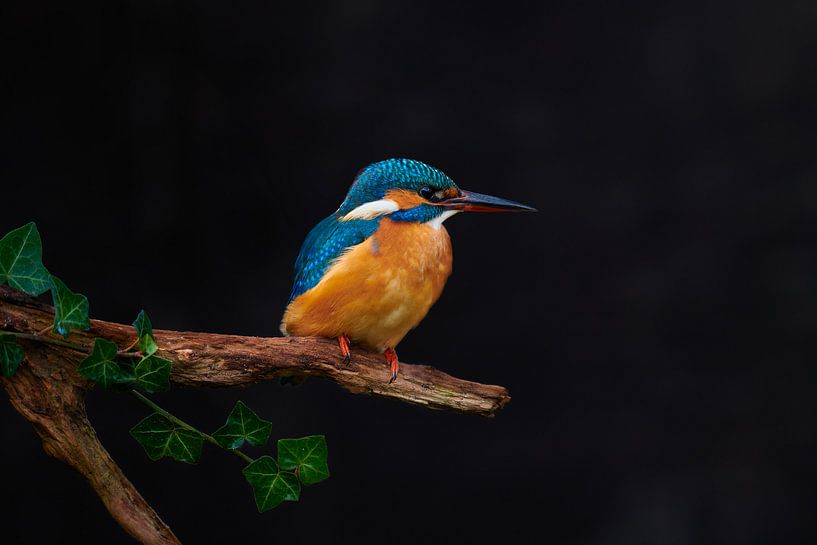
(654, 322)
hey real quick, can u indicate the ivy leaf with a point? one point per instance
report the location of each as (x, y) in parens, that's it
(153, 374)
(70, 309)
(161, 437)
(270, 485)
(101, 366)
(307, 455)
(243, 424)
(11, 354)
(127, 376)
(144, 331)
(21, 260)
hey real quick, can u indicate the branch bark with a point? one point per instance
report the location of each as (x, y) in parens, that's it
(50, 395)
(49, 392)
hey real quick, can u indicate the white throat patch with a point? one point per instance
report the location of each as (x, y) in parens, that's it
(372, 210)
(437, 222)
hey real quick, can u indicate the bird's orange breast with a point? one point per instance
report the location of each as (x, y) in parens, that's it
(379, 289)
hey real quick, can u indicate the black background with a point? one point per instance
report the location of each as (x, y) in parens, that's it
(653, 322)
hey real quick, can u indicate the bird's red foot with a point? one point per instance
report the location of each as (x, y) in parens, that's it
(394, 365)
(343, 341)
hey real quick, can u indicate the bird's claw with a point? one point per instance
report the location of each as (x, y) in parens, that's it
(343, 341)
(394, 364)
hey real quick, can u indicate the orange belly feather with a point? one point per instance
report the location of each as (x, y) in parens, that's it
(379, 289)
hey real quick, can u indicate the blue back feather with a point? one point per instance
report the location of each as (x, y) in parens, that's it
(323, 245)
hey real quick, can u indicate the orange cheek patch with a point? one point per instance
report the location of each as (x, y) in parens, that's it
(404, 199)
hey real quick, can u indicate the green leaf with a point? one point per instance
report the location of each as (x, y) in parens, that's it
(144, 331)
(21, 260)
(153, 374)
(270, 485)
(127, 377)
(101, 366)
(161, 437)
(307, 455)
(243, 424)
(70, 309)
(11, 354)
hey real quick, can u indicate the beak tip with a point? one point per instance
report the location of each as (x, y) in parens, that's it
(477, 202)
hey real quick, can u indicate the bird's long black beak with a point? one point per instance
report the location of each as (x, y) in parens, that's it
(469, 201)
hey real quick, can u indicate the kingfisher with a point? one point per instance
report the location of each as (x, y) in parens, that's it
(369, 273)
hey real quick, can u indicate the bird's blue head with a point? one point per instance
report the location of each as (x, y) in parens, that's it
(408, 190)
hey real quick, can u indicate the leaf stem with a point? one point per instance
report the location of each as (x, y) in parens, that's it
(40, 338)
(47, 340)
(182, 423)
(126, 354)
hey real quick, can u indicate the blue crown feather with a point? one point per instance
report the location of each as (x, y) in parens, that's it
(372, 182)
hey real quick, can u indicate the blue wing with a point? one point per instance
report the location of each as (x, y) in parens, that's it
(324, 243)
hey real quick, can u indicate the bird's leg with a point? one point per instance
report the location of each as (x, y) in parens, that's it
(343, 341)
(394, 365)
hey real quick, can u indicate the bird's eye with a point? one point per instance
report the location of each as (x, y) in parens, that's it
(429, 193)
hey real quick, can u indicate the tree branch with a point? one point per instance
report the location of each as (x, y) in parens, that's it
(210, 359)
(49, 392)
(51, 395)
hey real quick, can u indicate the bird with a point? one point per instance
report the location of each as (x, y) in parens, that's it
(369, 273)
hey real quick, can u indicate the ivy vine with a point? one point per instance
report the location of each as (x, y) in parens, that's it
(137, 367)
